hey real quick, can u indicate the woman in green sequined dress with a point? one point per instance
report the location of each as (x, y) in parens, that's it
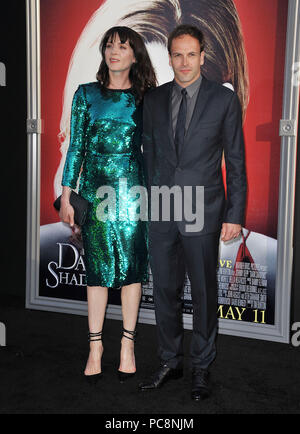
(105, 146)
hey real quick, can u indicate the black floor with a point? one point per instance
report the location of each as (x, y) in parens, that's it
(41, 371)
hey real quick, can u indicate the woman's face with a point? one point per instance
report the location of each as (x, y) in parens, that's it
(119, 56)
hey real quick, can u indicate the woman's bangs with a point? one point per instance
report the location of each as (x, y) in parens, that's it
(118, 31)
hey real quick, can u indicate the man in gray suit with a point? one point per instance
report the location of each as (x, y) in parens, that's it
(188, 124)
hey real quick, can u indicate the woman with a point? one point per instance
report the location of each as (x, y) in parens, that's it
(106, 142)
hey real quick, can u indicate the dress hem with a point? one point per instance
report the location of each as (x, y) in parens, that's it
(119, 284)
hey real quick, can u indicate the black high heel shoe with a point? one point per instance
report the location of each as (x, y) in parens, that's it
(93, 379)
(123, 376)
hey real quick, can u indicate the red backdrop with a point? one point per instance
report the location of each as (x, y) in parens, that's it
(264, 27)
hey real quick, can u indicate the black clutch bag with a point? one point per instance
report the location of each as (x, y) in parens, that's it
(79, 204)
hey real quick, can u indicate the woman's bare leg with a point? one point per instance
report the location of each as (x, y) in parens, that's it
(97, 301)
(130, 297)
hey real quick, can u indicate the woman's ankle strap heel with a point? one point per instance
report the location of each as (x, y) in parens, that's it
(93, 379)
(94, 337)
(123, 376)
(132, 334)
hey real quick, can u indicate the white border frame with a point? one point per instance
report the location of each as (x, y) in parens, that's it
(280, 332)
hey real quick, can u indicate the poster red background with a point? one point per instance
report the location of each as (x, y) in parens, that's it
(264, 28)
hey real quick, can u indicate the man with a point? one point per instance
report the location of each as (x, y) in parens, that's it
(188, 124)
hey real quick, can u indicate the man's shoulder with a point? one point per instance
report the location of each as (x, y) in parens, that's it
(219, 88)
(158, 91)
(163, 90)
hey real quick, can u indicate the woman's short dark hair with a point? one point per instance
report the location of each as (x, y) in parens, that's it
(141, 75)
(186, 29)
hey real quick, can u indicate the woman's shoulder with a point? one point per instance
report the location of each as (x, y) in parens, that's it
(89, 86)
(87, 90)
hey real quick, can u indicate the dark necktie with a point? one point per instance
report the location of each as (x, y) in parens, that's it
(180, 126)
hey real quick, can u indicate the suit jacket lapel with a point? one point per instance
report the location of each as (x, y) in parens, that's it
(170, 118)
(171, 151)
(202, 99)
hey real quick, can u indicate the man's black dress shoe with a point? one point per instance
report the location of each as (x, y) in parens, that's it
(200, 384)
(160, 377)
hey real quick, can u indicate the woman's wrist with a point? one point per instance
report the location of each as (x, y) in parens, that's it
(65, 197)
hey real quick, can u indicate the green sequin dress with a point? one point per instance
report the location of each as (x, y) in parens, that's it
(105, 142)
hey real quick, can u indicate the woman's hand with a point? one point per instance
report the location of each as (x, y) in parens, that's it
(66, 212)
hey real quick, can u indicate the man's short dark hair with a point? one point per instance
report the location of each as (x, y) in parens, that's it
(186, 29)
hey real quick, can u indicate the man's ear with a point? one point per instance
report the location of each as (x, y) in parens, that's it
(202, 57)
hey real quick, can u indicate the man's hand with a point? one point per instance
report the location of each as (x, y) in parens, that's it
(230, 231)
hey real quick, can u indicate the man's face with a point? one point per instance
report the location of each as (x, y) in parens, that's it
(186, 59)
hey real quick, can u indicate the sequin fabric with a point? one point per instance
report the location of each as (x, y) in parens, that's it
(105, 142)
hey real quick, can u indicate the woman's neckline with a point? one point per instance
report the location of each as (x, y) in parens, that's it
(117, 90)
